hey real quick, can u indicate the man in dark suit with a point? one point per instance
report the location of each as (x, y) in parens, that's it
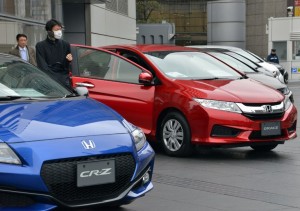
(23, 51)
(53, 55)
(272, 57)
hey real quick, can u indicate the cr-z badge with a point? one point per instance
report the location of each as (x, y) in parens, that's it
(88, 144)
(102, 172)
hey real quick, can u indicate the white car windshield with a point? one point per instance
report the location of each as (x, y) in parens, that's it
(233, 62)
(249, 56)
(191, 65)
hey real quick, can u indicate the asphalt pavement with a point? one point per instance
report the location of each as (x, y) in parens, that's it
(236, 179)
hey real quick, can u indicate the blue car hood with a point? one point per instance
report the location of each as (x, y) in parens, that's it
(46, 120)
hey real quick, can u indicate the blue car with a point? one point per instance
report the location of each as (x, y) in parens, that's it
(61, 149)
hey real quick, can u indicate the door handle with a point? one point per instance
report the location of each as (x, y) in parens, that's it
(88, 85)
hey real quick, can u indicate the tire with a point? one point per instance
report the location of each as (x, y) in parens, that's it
(264, 148)
(175, 135)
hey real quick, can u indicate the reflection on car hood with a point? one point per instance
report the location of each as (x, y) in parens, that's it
(243, 91)
(267, 80)
(268, 66)
(56, 120)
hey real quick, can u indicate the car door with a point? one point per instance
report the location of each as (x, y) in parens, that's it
(114, 81)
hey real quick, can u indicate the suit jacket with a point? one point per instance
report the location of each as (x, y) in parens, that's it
(31, 54)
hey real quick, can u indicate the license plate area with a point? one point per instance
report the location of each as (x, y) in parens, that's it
(96, 173)
(270, 128)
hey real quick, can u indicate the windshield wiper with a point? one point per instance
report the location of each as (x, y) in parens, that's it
(23, 98)
(71, 95)
(10, 97)
(213, 78)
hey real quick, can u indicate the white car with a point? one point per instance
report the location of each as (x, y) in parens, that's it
(252, 57)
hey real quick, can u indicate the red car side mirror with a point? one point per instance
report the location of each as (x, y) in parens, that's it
(145, 78)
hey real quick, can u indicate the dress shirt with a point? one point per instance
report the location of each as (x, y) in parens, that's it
(23, 53)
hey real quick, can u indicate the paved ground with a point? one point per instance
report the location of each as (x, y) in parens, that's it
(227, 179)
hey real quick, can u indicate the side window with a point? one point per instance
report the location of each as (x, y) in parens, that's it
(103, 65)
(126, 72)
(93, 63)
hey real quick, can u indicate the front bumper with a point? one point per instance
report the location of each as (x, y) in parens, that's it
(36, 200)
(227, 129)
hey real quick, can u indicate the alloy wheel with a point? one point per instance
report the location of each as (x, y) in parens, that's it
(173, 135)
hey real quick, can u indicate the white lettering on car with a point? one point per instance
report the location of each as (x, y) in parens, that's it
(96, 172)
(271, 128)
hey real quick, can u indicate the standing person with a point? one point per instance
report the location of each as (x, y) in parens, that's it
(53, 54)
(22, 50)
(273, 57)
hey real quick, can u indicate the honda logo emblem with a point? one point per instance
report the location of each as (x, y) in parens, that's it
(89, 144)
(268, 108)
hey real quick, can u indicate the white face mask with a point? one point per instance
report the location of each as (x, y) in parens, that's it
(57, 34)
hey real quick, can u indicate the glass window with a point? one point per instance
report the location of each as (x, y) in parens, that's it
(9, 30)
(191, 65)
(26, 17)
(246, 60)
(296, 50)
(126, 72)
(233, 62)
(23, 80)
(102, 65)
(31, 9)
(93, 63)
(281, 49)
(120, 6)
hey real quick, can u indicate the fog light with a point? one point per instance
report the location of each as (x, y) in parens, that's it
(146, 178)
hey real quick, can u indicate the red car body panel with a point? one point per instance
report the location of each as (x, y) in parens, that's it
(146, 105)
(127, 99)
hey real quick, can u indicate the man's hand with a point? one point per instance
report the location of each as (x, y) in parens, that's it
(69, 57)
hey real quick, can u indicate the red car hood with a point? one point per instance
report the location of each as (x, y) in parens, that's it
(243, 91)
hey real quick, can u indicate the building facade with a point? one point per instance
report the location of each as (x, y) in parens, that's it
(89, 22)
(188, 16)
(163, 33)
(284, 35)
(257, 14)
(226, 23)
(192, 21)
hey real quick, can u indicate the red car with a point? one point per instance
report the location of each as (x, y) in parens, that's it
(182, 97)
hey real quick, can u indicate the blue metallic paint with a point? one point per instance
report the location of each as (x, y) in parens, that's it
(45, 130)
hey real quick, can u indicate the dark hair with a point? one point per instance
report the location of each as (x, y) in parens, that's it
(274, 50)
(20, 35)
(49, 25)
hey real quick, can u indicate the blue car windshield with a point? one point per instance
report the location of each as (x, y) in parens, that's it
(19, 79)
(191, 66)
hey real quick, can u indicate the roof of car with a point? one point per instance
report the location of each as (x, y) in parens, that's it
(150, 48)
(215, 46)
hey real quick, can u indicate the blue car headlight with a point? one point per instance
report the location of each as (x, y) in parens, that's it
(139, 138)
(7, 155)
(137, 134)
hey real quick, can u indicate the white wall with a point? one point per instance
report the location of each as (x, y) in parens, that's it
(109, 27)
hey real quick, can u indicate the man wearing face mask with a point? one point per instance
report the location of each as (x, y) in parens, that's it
(53, 55)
